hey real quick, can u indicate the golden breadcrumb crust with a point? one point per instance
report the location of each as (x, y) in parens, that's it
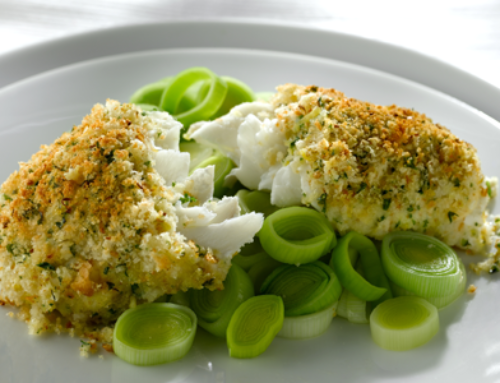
(376, 169)
(87, 227)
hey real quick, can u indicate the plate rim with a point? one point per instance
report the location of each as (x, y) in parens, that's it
(249, 33)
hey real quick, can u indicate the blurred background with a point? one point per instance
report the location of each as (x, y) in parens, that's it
(464, 33)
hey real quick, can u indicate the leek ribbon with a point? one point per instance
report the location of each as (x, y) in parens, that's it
(210, 104)
(215, 308)
(254, 325)
(403, 323)
(421, 264)
(305, 289)
(297, 235)
(376, 286)
(154, 333)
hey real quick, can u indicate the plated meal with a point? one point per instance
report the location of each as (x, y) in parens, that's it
(239, 224)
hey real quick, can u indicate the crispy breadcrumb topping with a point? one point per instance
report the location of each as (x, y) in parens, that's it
(88, 226)
(376, 169)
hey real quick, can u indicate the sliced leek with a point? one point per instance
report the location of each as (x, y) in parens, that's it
(154, 333)
(258, 201)
(215, 308)
(254, 325)
(297, 235)
(261, 270)
(197, 153)
(250, 254)
(305, 289)
(308, 326)
(210, 104)
(376, 286)
(237, 93)
(421, 264)
(439, 302)
(223, 167)
(151, 93)
(404, 323)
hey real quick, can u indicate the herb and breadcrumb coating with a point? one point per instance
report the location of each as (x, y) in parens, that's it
(100, 220)
(370, 168)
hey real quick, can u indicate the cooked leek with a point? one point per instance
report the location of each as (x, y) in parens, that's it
(211, 103)
(237, 92)
(305, 289)
(215, 308)
(151, 93)
(250, 254)
(439, 302)
(404, 323)
(421, 264)
(223, 167)
(254, 325)
(261, 270)
(154, 333)
(308, 326)
(297, 235)
(376, 286)
(258, 201)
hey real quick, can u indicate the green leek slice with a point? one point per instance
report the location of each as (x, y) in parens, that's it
(154, 333)
(342, 306)
(215, 308)
(308, 326)
(421, 264)
(439, 302)
(305, 289)
(404, 323)
(254, 325)
(257, 201)
(213, 100)
(261, 270)
(151, 93)
(297, 235)
(237, 93)
(250, 254)
(202, 156)
(376, 286)
(197, 153)
(223, 167)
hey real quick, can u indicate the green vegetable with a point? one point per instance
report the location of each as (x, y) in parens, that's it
(421, 264)
(204, 110)
(249, 255)
(154, 333)
(297, 235)
(403, 323)
(254, 325)
(376, 286)
(215, 308)
(308, 326)
(306, 289)
(441, 301)
(257, 201)
(150, 94)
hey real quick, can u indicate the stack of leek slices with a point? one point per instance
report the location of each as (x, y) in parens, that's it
(296, 275)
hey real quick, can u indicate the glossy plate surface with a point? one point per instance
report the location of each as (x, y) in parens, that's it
(37, 110)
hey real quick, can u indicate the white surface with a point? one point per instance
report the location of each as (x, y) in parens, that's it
(39, 109)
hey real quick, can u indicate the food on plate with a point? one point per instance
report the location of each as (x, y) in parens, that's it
(118, 213)
(369, 168)
(107, 217)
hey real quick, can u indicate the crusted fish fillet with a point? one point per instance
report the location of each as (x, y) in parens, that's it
(107, 217)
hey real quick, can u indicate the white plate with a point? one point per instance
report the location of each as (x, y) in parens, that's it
(283, 37)
(39, 109)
